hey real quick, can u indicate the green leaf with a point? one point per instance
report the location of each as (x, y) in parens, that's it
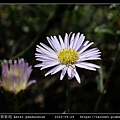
(99, 80)
(103, 29)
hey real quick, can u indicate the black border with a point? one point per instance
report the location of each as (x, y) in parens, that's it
(58, 115)
(55, 2)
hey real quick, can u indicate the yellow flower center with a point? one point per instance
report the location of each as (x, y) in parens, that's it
(67, 56)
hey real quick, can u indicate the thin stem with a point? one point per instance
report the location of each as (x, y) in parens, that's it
(68, 97)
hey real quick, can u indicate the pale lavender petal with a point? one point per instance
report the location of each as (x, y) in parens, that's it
(4, 68)
(55, 69)
(47, 48)
(89, 58)
(90, 64)
(31, 82)
(61, 42)
(50, 71)
(79, 42)
(72, 40)
(50, 62)
(43, 59)
(50, 65)
(51, 43)
(66, 40)
(39, 65)
(85, 67)
(84, 48)
(70, 72)
(77, 76)
(76, 40)
(58, 68)
(85, 43)
(46, 56)
(63, 73)
(28, 72)
(90, 52)
(41, 49)
(56, 43)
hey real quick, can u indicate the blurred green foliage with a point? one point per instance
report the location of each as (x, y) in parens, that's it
(23, 24)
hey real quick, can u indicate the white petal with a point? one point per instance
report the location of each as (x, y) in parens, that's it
(69, 72)
(50, 64)
(31, 82)
(56, 43)
(47, 48)
(52, 57)
(77, 76)
(85, 67)
(90, 64)
(42, 50)
(45, 57)
(89, 58)
(72, 40)
(70, 34)
(61, 42)
(66, 40)
(90, 52)
(76, 40)
(84, 48)
(39, 65)
(51, 43)
(80, 42)
(63, 73)
(86, 43)
(57, 69)
(50, 71)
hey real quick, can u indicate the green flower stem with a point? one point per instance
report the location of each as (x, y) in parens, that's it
(68, 97)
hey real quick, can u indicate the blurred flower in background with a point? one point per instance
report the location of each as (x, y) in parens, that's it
(15, 75)
(66, 54)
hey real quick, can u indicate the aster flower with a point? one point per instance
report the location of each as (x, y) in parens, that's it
(15, 75)
(66, 55)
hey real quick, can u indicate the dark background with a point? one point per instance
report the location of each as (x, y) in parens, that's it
(23, 26)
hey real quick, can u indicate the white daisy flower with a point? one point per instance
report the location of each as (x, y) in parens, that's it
(66, 55)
